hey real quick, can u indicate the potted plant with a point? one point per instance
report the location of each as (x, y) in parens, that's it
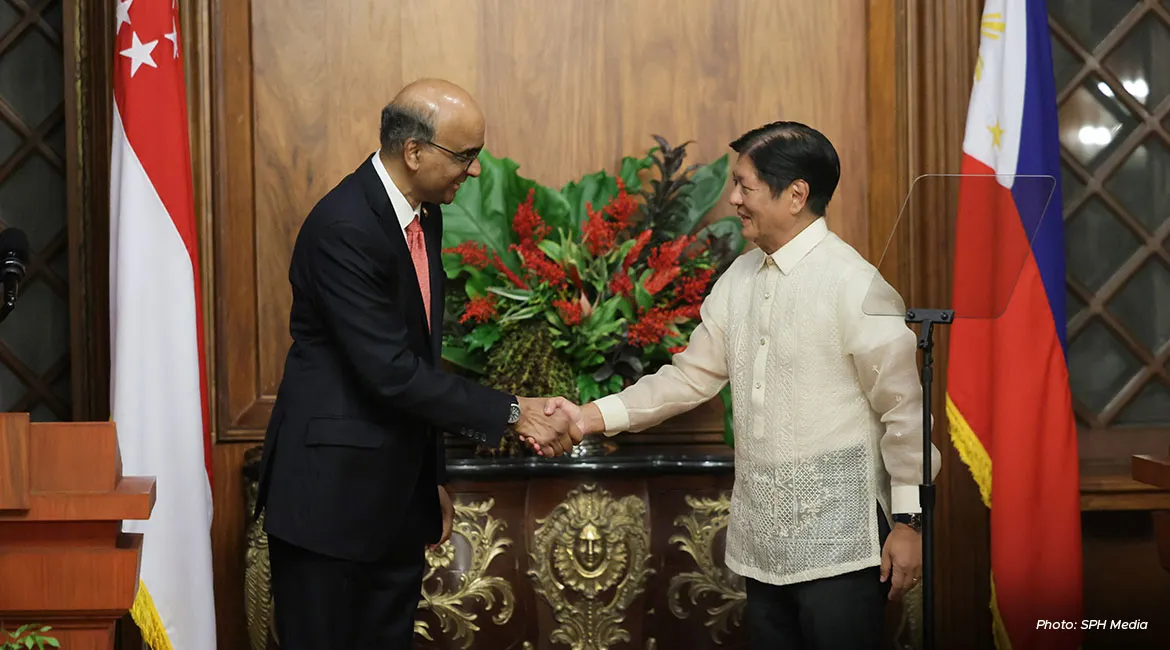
(580, 291)
(26, 637)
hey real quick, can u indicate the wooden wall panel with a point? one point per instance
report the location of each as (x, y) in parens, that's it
(567, 88)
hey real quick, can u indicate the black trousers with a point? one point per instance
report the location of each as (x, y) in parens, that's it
(844, 612)
(326, 602)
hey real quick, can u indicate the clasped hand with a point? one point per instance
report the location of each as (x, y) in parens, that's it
(556, 410)
(548, 430)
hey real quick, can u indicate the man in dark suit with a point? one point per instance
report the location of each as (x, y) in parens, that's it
(353, 468)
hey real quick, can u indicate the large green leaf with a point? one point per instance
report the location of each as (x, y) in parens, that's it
(484, 207)
(702, 193)
(598, 188)
(631, 167)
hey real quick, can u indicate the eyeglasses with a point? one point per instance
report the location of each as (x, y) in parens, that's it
(465, 158)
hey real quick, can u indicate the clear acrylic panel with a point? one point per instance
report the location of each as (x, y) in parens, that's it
(1001, 214)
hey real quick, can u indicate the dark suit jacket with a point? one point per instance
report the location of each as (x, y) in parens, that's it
(356, 431)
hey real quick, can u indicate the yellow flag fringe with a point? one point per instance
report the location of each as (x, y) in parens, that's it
(979, 463)
(148, 621)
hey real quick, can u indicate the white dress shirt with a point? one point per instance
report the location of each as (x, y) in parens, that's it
(827, 406)
(402, 208)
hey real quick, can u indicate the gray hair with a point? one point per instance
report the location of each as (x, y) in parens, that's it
(406, 122)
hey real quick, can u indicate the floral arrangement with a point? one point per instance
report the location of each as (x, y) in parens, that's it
(580, 291)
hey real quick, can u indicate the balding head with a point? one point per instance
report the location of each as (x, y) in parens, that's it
(431, 136)
(426, 110)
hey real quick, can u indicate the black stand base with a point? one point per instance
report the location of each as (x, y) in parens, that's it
(929, 318)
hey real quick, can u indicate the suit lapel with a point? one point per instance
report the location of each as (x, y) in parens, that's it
(379, 200)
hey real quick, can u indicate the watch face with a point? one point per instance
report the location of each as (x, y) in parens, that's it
(514, 416)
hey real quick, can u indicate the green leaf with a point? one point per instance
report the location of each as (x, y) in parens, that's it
(482, 337)
(631, 167)
(643, 297)
(53, 642)
(627, 309)
(596, 189)
(29, 642)
(702, 193)
(485, 205)
(552, 249)
(463, 358)
(515, 294)
(728, 229)
(522, 314)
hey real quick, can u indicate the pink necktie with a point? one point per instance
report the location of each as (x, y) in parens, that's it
(418, 255)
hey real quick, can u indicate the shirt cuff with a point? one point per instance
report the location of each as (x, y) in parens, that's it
(613, 414)
(904, 500)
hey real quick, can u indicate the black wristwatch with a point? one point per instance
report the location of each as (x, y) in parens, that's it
(514, 413)
(912, 520)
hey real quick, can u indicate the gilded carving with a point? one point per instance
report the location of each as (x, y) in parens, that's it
(257, 591)
(589, 562)
(701, 526)
(481, 534)
(909, 633)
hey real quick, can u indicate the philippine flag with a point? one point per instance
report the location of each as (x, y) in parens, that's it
(1008, 398)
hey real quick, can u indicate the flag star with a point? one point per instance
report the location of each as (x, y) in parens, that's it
(123, 14)
(173, 37)
(139, 53)
(996, 134)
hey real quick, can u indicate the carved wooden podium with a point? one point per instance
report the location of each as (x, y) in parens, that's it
(64, 560)
(1155, 470)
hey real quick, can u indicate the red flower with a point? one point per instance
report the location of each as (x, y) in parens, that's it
(691, 289)
(639, 244)
(570, 311)
(661, 278)
(676, 349)
(600, 234)
(687, 312)
(651, 327)
(621, 284)
(503, 268)
(597, 234)
(480, 310)
(539, 264)
(473, 253)
(527, 223)
(666, 255)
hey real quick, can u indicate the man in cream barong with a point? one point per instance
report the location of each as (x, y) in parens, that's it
(827, 407)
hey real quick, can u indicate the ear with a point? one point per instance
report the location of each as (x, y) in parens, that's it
(411, 155)
(799, 198)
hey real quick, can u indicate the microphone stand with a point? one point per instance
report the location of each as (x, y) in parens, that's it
(929, 318)
(7, 305)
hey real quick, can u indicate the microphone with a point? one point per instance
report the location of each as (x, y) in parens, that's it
(13, 258)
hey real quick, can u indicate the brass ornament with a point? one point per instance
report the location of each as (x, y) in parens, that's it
(258, 610)
(589, 562)
(480, 531)
(701, 526)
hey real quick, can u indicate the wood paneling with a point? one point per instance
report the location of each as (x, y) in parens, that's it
(227, 545)
(567, 90)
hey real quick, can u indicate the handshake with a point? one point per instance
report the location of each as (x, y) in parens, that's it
(553, 426)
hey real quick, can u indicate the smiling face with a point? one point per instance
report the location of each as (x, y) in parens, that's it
(442, 165)
(768, 221)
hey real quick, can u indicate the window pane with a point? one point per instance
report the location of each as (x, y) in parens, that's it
(1099, 366)
(1140, 61)
(30, 77)
(1089, 21)
(1142, 183)
(1151, 407)
(1065, 64)
(1093, 122)
(1143, 306)
(1096, 244)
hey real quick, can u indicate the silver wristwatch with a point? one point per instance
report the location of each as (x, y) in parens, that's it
(514, 414)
